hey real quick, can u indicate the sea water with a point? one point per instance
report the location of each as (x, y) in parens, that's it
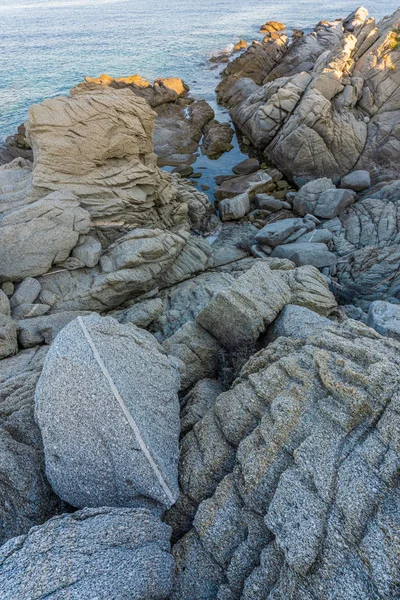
(48, 46)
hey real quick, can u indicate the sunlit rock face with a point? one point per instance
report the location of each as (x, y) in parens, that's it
(330, 103)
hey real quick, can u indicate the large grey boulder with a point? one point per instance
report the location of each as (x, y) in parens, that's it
(26, 498)
(385, 318)
(307, 197)
(295, 474)
(284, 231)
(239, 314)
(108, 411)
(101, 553)
(8, 336)
(306, 253)
(51, 225)
(296, 322)
(332, 203)
(366, 239)
(43, 330)
(26, 293)
(197, 351)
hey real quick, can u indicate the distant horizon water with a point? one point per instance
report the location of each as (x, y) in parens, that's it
(49, 46)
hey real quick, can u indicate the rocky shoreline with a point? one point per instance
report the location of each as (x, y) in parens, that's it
(199, 399)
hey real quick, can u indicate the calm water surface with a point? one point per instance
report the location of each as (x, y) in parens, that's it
(48, 46)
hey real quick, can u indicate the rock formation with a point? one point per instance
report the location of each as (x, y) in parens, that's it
(327, 103)
(85, 385)
(96, 552)
(225, 381)
(295, 471)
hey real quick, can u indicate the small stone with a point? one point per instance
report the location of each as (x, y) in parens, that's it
(88, 252)
(280, 194)
(246, 167)
(332, 203)
(306, 254)
(385, 318)
(8, 288)
(4, 304)
(356, 180)
(241, 45)
(26, 311)
(183, 170)
(266, 202)
(282, 184)
(26, 293)
(232, 209)
(8, 336)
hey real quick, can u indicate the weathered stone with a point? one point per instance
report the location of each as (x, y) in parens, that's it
(87, 382)
(43, 330)
(327, 104)
(332, 203)
(356, 180)
(4, 304)
(197, 351)
(245, 184)
(27, 311)
(385, 318)
(246, 167)
(26, 498)
(217, 139)
(182, 302)
(294, 471)
(141, 314)
(265, 202)
(51, 226)
(8, 336)
(197, 402)
(234, 208)
(133, 265)
(318, 236)
(88, 251)
(238, 315)
(296, 322)
(115, 129)
(26, 293)
(127, 549)
(307, 197)
(366, 239)
(284, 232)
(306, 253)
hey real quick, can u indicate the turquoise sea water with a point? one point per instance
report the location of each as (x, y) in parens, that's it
(48, 46)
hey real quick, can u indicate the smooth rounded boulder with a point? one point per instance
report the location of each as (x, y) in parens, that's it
(108, 410)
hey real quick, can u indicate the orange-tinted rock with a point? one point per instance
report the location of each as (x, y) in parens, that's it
(272, 26)
(241, 45)
(173, 83)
